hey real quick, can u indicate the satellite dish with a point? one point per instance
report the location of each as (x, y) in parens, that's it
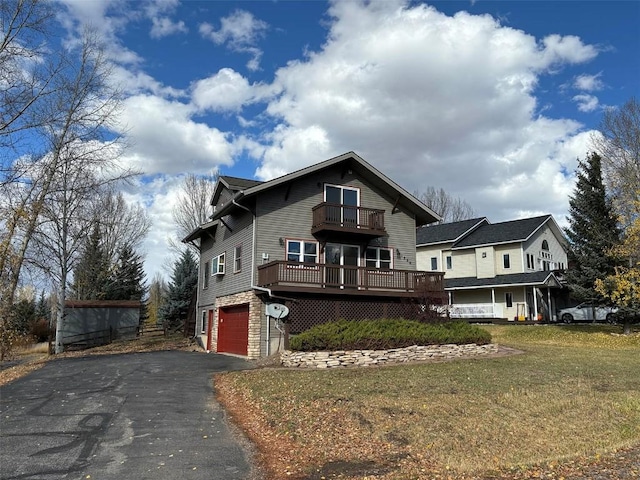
(277, 310)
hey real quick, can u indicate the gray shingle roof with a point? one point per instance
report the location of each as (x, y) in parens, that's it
(446, 232)
(503, 232)
(236, 183)
(531, 278)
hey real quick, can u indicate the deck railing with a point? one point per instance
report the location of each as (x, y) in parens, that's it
(342, 277)
(336, 216)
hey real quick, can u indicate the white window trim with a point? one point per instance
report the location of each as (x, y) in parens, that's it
(217, 265)
(301, 254)
(377, 268)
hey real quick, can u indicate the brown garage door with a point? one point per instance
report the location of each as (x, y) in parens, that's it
(233, 329)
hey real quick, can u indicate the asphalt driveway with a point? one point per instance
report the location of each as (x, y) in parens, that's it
(129, 416)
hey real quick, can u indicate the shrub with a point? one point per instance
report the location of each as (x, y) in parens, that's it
(385, 334)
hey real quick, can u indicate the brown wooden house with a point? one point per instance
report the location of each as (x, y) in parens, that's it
(333, 240)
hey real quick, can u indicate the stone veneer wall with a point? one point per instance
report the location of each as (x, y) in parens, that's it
(255, 315)
(362, 358)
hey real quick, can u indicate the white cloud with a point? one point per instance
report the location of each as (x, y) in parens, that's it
(430, 100)
(162, 25)
(588, 83)
(586, 103)
(164, 139)
(228, 90)
(240, 31)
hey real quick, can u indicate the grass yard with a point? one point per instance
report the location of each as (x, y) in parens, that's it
(572, 398)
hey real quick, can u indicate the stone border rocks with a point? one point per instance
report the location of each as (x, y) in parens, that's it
(363, 358)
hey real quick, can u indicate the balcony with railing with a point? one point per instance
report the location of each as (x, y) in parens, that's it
(287, 276)
(332, 217)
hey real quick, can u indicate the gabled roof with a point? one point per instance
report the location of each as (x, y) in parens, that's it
(507, 232)
(349, 160)
(447, 232)
(234, 184)
(539, 278)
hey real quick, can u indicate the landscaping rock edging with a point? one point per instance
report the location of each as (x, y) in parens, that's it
(363, 358)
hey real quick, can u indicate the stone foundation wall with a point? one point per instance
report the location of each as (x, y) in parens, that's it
(363, 358)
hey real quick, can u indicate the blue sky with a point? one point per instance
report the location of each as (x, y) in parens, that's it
(492, 101)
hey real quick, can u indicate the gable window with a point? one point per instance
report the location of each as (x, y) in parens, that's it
(377, 257)
(205, 276)
(449, 262)
(508, 299)
(506, 260)
(301, 251)
(217, 265)
(434, 263)
(545, 245)
(237, 259)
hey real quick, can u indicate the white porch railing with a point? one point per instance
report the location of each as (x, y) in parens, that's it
(476, 310)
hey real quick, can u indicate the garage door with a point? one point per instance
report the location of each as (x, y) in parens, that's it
(233, 329)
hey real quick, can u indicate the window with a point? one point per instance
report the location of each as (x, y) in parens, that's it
(508, 299)
(237, 259)
(378, 258)
(217, 265)
(506, 260)
(531, 262)
(449, 262)
(203, 321)
(545, 245)
(434, 263)
(343, 204)
(301, 251)
(205, 276)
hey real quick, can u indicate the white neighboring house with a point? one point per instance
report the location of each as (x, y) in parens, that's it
(506, 270)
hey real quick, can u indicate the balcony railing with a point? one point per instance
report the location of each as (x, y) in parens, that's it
(345, 218)
(295, 276)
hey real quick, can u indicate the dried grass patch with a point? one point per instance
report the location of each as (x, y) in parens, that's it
(557, 409)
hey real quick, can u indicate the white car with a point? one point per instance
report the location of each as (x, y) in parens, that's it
(584, 313)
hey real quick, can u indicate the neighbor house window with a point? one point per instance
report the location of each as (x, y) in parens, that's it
(217, 265)
(508, 299)
(237, 259)
(506, 260)
(449, 262)
(205, 276)
(378, 258)
(434, 263)
(545, 245)
(203, 322)
(531, 262)
(301, 251)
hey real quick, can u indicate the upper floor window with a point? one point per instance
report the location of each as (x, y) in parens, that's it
(342, 195)
(506, 260)
(449, 262)
(377, 257)
(545, 245)
(434, 263)
(301, 251)
(217, 265)
(531, 262)
(237, 259)
(205, 276)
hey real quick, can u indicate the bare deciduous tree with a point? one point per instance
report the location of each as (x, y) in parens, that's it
(451, 209)
(194, 205)
(618, 143)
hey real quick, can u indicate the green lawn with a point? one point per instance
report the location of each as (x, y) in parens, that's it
(574, 392)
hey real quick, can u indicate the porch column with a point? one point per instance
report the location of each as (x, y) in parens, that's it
(493, 302)
(535, 303)
(549, 303)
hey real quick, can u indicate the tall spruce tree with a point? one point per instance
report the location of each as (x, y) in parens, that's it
(592, 231)
(184, 281)
(127, 281)
(91, 273)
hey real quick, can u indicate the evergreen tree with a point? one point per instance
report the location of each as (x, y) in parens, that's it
(127, 280)
(184, 281)
(592, 231)
(91, 274)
